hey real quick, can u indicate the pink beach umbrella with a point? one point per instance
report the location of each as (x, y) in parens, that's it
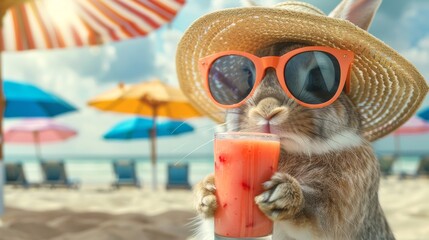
(414, 126)
(38, 131)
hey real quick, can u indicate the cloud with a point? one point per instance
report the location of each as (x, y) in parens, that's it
(412, 28)
(419, 55)
(165, 59)
(395, 8)
(128, 61)
(401, 26)
(82, 61)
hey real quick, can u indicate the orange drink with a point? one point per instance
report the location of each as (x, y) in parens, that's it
(243, 162)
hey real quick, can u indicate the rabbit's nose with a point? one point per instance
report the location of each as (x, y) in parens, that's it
(273, 113)
(267, 110)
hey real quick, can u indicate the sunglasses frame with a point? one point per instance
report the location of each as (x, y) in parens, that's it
(344, 58)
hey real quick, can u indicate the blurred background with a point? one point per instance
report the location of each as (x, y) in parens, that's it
(79, 74)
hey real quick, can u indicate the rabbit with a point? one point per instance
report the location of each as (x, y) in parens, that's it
(326, 185)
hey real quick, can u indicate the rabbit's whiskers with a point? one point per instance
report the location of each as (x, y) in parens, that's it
(187, 155)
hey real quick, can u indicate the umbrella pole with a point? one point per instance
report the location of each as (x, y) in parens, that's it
(397, 146)
(37, 145)
(398, 150)
(2, 107)
(4, 5)
(153, 150)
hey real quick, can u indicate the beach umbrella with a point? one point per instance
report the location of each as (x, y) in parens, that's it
(414, 126)
(140, 128)
(38, 131)
(149, 98)
(424, 114)
(49, 24)
(152, 98)
(27, 100)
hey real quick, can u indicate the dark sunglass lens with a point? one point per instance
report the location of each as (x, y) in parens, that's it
(231, 79)
(313, 77)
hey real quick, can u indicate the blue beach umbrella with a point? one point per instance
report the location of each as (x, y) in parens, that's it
(424, 114)
(26, 100)
(142, 128)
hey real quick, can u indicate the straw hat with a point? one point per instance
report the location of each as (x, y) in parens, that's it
(386, 89)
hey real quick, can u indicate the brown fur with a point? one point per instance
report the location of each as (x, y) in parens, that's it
(330, 192)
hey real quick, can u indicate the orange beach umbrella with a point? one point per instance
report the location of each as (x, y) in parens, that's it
(152, 98)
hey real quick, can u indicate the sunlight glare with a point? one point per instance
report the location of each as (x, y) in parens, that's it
(63, 11)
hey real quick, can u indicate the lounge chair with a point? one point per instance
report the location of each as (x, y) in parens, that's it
(126, 174)
(386, 164)
(15, 175)
(55, 175)
(178, 176)
(423, 168)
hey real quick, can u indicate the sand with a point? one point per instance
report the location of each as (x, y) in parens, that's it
(102, 214)
(406, 205)
(97, 214)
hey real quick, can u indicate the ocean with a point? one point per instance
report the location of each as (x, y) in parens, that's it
(99, 170)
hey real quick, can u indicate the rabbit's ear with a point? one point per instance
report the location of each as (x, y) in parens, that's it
(359, 12)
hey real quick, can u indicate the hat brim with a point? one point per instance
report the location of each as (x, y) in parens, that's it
(385, 88)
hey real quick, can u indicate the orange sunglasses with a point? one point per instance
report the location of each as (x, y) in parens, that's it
(313, 76)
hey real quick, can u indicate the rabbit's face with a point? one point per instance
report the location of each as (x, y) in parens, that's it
(301, 129)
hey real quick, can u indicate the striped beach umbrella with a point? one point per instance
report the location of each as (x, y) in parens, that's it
(413, 126)
(48, 24)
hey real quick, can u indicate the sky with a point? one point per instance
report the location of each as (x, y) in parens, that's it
(77, 75)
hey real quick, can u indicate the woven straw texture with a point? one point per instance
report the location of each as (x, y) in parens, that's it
(386, 89)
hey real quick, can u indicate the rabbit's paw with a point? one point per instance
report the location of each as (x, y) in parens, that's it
(204, 192)
(283, 197)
